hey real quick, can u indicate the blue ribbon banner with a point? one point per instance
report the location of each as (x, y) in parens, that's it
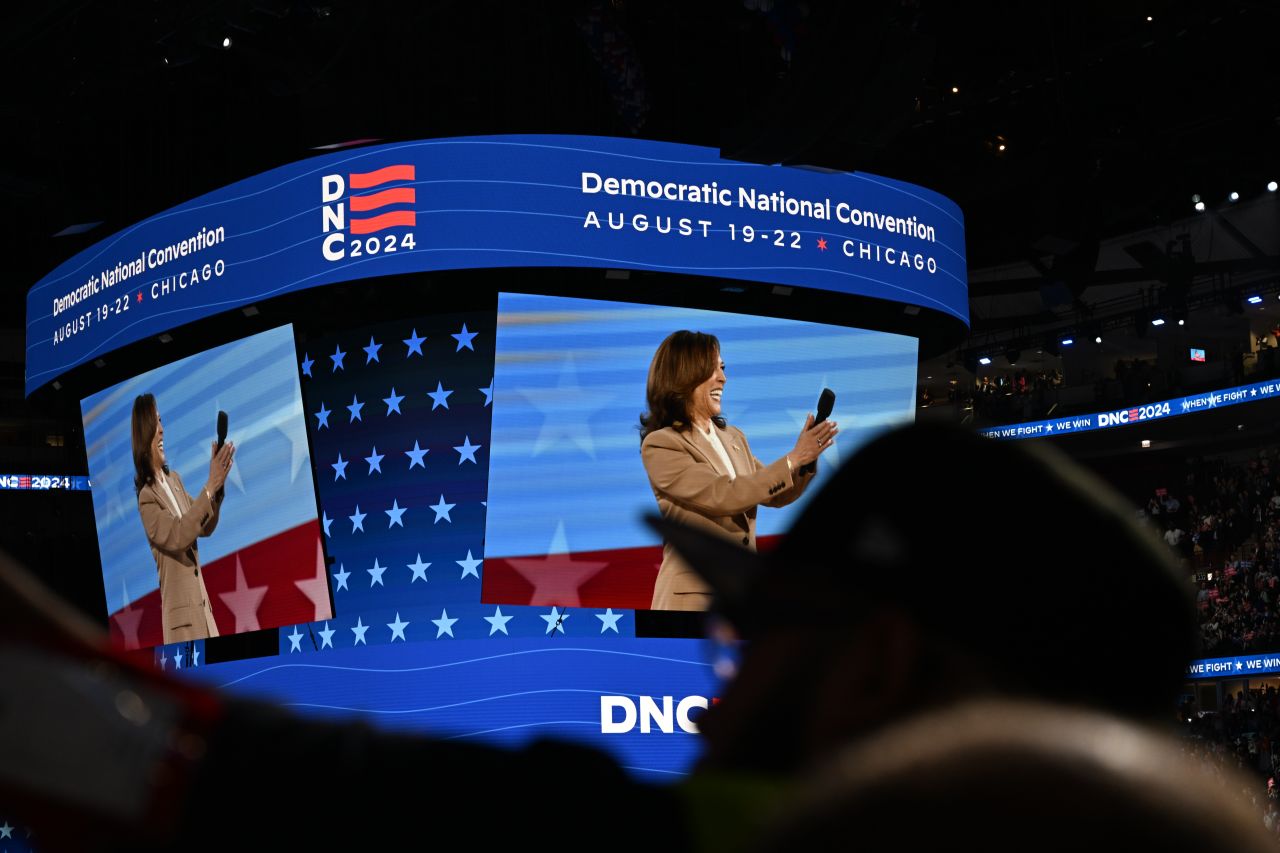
(1236, 667)
(43, 482)
(1139, 414)
(500, 201)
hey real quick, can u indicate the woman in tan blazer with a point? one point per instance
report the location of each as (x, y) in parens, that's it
(173, 519)
(701, 470)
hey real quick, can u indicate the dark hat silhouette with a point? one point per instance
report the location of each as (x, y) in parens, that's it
(1008, 549)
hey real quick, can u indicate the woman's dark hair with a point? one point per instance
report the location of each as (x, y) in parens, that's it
(145, 419)
(683, 362)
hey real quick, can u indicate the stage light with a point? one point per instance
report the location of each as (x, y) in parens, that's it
(984, 361)
(1234, 196)
(1159, 321)
(1182, 322)
(1200, 207)
(1271, 186)
(1195, 198)
(226, 41)
(955, 90)
(1066, 342)
(1254, 300)
(1098, 339)
(1149, 19)
(1146, 443)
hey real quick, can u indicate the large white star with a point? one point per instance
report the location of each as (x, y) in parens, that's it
(441, 510)
(557, 577)
(444, 625)
(359, 630)
(375, 574)
(244, 601)
(467, 450)
(609, 620)
(326, 636)
(295, 641)
(567, 411)
(418, 568)
(394, 514)
(357, 520)
(555, 620)
(6, 831)
(177, 658)
(316, 589)
(469, 565)
(397, 628)
(498, 622)
(341, 576)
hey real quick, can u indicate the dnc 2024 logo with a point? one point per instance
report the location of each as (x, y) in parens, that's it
(385, 202)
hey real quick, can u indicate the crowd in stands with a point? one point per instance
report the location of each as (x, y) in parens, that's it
(1224, 518)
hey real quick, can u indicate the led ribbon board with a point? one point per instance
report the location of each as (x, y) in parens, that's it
(501, 201)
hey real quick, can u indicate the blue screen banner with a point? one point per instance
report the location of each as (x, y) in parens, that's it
(501, 201)
(1139, 414)
(1235, 667)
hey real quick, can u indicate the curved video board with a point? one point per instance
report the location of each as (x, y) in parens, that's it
(500, 201)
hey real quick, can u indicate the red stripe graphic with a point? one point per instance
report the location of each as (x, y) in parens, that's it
(387, 220)
(625, 579)
(399, 195)
(364, 180)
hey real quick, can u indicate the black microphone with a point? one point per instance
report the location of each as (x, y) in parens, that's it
(826, 402)
(222, 438)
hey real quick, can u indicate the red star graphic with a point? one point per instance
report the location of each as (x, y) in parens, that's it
(822, 243)
(139, 295)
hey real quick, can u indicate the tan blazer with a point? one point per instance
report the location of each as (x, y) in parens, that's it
(692, 487)
(185, 610)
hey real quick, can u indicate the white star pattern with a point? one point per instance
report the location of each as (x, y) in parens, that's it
(357, 520)
(469, 566)
(375, 461)
(337, 357)
(295, 641)
(415, 455)
(339, 469)
(609, 620)
(394, 514)
(326, 636)
(498, 622)
(326, 521)
(355, 409)
(177, 658)
(341, 576)
(414, 343)
(371, 351)
(375, 574)
(441, 510)
(397, 628)
(393, 402)
(467, 451)
(418, 568)
(555, 620)
(444, 625)
(359, 630)
(464, 339)
(488, 393)
(439, 397)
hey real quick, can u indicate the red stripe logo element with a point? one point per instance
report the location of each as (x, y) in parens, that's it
(394, 219)
(399, 195)
(365, 180)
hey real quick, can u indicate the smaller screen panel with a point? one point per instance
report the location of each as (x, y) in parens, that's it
(568, 487)
(179, 563)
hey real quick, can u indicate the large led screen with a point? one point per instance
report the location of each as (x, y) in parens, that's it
(567, 485)
(180, 563)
